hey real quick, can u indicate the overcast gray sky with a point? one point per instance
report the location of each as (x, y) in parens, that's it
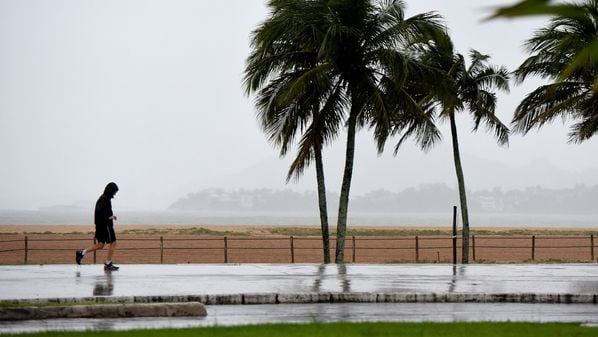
(148, 94)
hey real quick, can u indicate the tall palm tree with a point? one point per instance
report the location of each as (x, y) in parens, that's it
(295, 94)
(327, 61)
(367, 46)
(469, 88)
(573, 92)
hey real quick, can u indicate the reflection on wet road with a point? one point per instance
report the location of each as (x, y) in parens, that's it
(355, 312)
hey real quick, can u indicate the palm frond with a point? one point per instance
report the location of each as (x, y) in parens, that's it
(566, 48)
(415, 120)
(587, 56)
(546, 103)
(584, 130)
(484, 113)
(534, 8)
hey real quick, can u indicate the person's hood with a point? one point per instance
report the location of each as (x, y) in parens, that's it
(110, 190)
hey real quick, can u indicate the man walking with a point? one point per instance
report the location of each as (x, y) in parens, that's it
(104, 221)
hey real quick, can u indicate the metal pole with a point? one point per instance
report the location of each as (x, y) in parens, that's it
(473, 245)
(95, 251)
(26, 248)
(161, 250)
(416, 249)
(533, 247)
(354, 249)
(454, 234)
(292, 250)
(225, 250)
(592, 245)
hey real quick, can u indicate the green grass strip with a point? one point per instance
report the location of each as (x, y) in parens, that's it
(358, 330)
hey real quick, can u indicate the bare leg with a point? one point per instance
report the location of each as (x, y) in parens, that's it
(97, 246)
(111, 249)
(80, 254)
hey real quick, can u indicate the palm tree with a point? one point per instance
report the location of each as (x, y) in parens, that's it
(584, 57)
(469, 88)
(573, 92)
(368, 47)
(294, 92)
(321, 58)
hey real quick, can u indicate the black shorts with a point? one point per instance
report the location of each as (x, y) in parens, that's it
(105, 234)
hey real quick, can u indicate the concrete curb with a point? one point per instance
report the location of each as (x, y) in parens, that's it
(329, 297)
(105, 311)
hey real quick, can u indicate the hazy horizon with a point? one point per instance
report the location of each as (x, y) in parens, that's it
(148, 94)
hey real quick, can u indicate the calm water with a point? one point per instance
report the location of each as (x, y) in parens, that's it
(80, 217)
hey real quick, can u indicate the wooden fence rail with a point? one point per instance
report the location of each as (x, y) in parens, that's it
(362, 248)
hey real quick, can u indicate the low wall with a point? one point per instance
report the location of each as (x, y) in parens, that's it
(104, 311)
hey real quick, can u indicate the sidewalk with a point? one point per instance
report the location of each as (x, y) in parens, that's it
(568, 282)
(534, 293)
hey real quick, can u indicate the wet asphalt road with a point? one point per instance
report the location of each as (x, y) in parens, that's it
(70, 281)
(65, 281)
(222, 315)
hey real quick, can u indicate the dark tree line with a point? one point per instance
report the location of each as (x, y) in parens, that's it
(426, 198)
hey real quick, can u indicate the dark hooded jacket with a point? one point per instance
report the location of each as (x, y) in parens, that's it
(103, 210)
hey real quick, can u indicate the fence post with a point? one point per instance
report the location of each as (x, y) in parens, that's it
(161, 250)
(454, 234)
(292, 250)
(26, 248)
(416, 249)
(354, 248)
(473, 245)
(592, 245)
(225, 250)
(95, 251)
(533, 247)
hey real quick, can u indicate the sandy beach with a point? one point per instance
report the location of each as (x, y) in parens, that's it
(47, 244)
(266, 229)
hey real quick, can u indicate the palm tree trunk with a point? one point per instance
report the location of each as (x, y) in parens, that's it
(341, 228)
(462, 194)
(322, 203)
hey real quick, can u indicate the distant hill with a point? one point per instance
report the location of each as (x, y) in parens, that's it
(397, 174)
(579, 199)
